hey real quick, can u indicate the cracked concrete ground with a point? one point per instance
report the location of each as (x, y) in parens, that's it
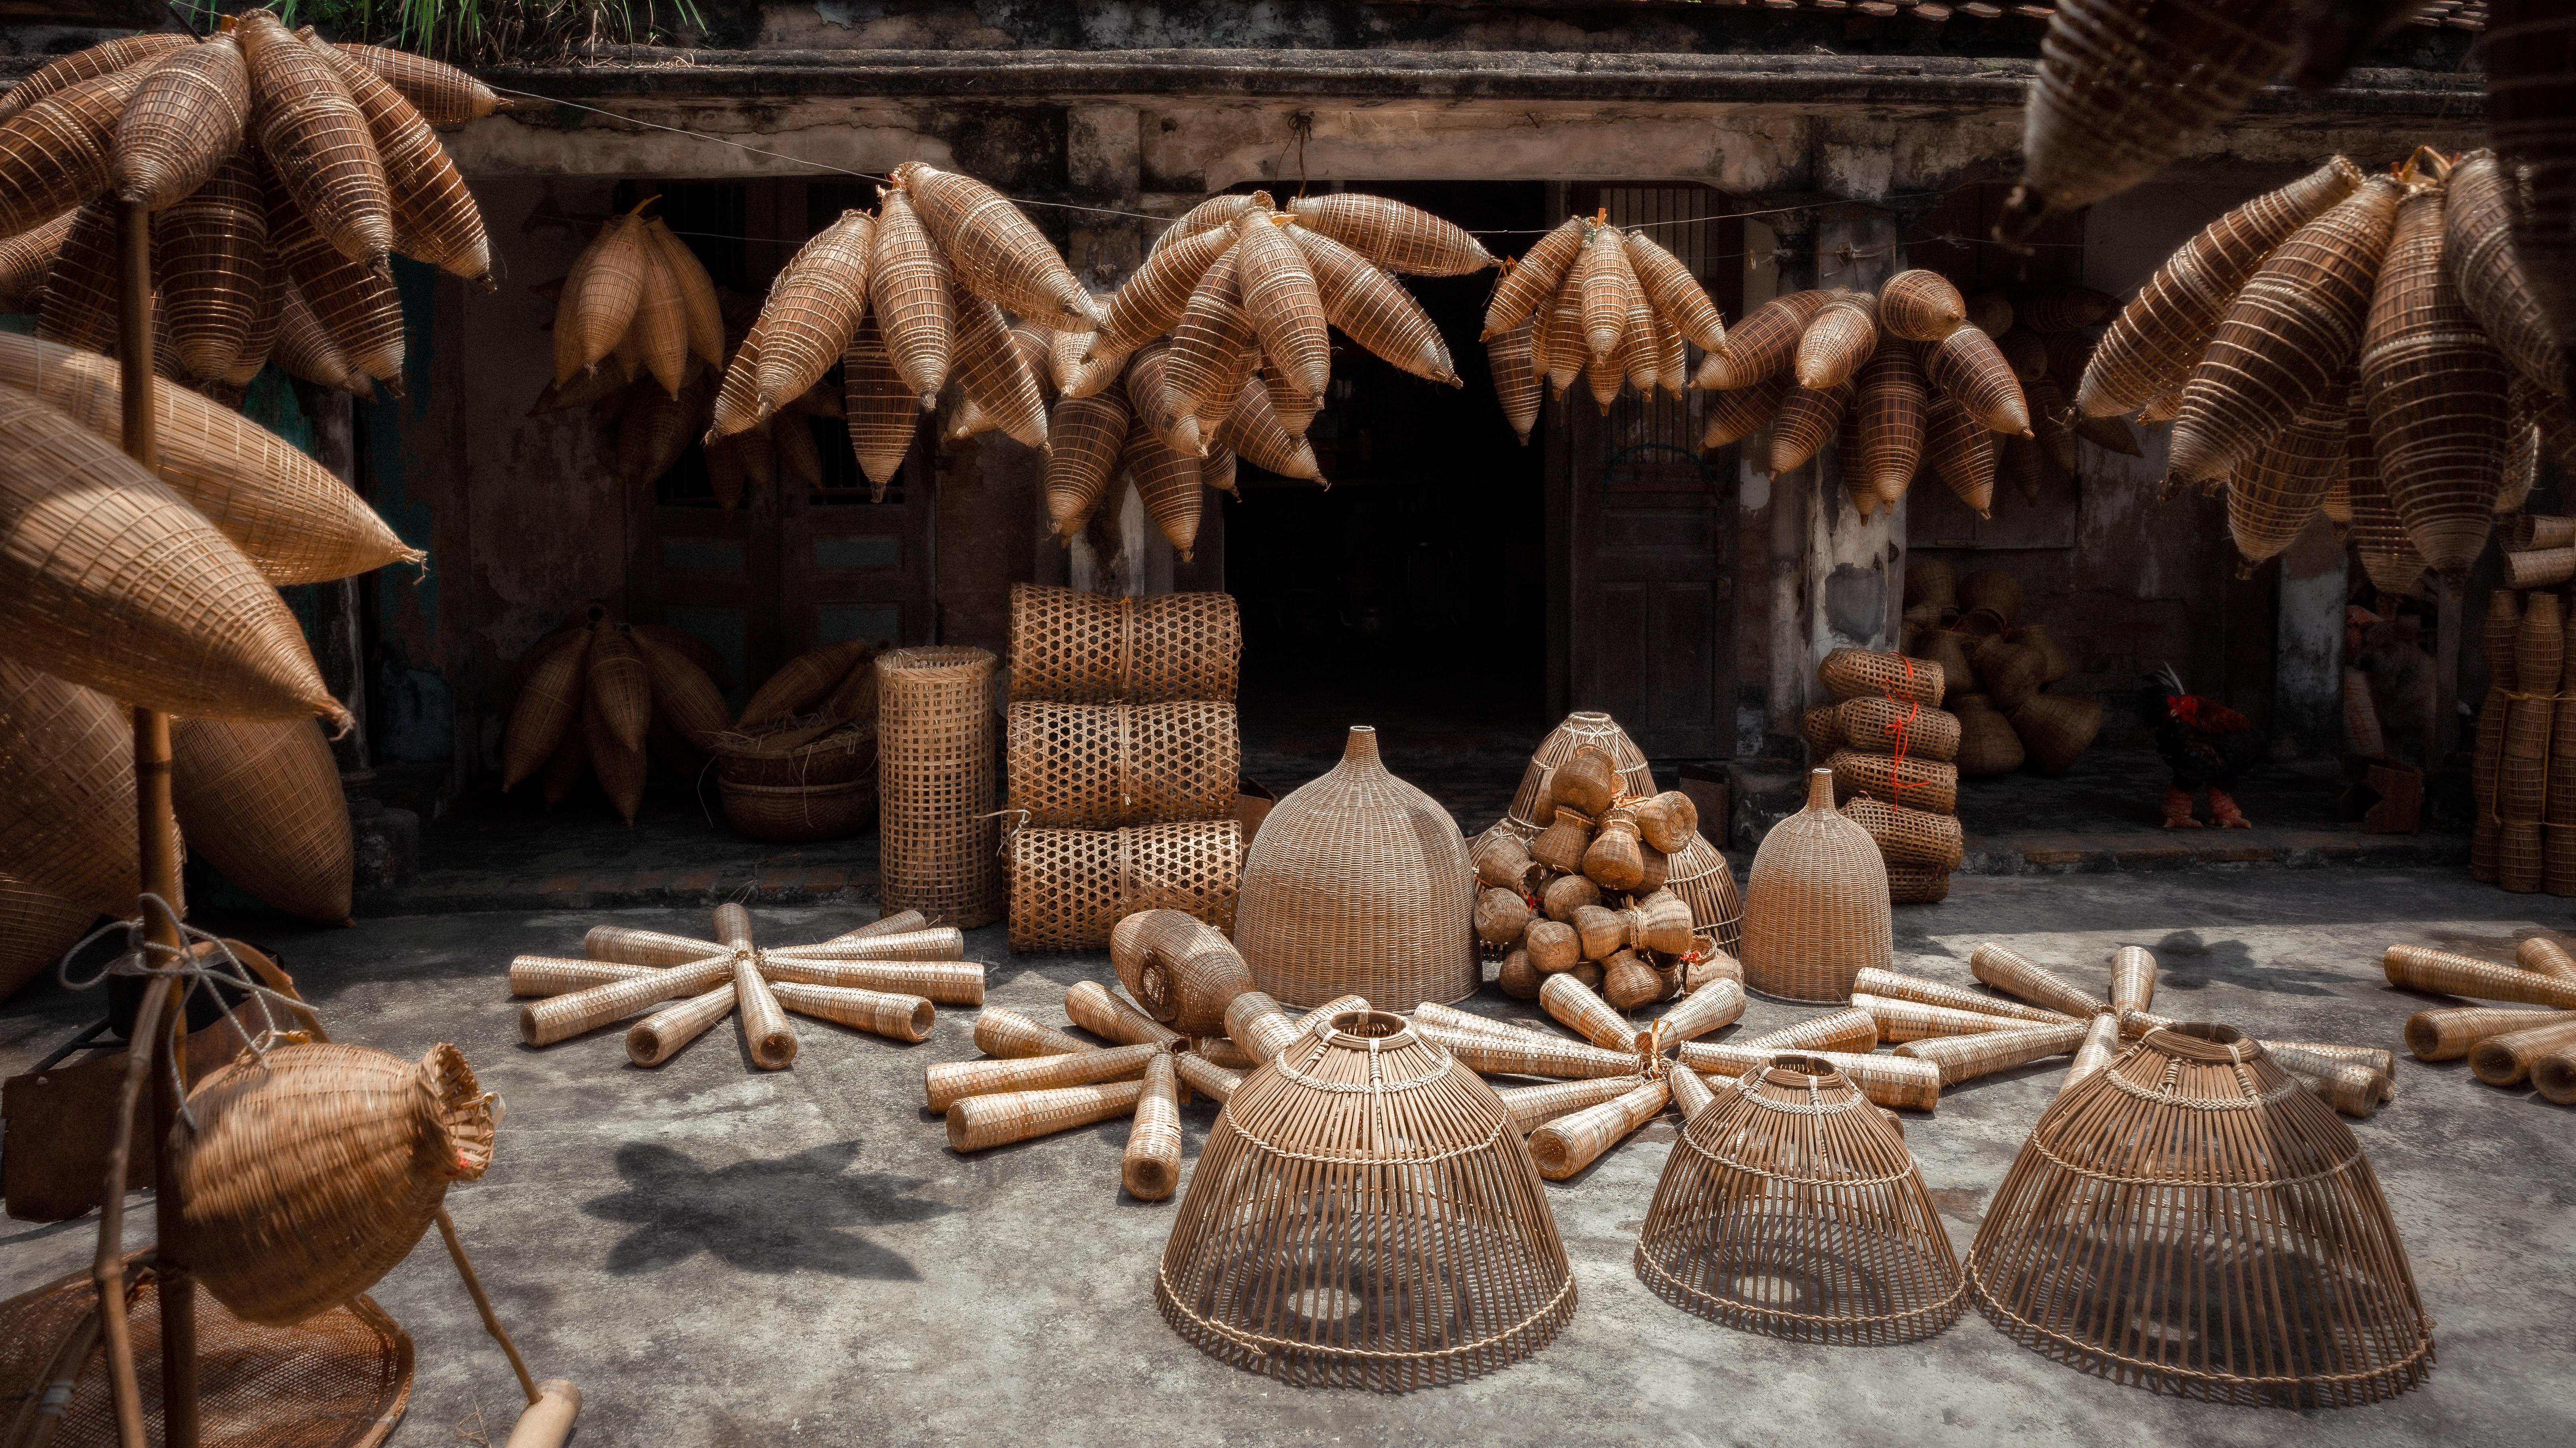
(722, 1256)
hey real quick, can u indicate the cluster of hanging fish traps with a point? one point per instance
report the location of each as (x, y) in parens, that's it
(2505, 1046)
(1219, 347)
(1594, 301)
(2364, 346)
(882, 978)
(280, 171)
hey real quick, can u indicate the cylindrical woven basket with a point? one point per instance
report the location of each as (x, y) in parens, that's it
(1100, 766)
(313, 1169)
(935, 767)
(796, 813)
(1815, 910)
(1909, 836)
(2057, 729)
(1530, 807)
(1080, 648)
(1070, 888)
(1358, 884)
(1365, 1214)
(1894, 726)
(1917, 884)
(1858, 673)
(1911, 783)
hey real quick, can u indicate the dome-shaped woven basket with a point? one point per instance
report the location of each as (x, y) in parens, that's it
(1792, 1208)
(2056, 729)
(1080, 648)
(935, 766)
(314, 1168)
(1358, 884)
(1579, 728)
(1366, 1214)
(2193, 1220)
(1815, 909)
(1701, 877)
(1070, 888)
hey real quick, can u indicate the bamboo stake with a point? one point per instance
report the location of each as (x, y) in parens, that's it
(108, 1268)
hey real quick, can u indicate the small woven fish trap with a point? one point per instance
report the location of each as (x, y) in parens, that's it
(935, 758)
(1791, 1208)
(1080, 648)
(1100, 766)
(340, 1379)
(1860, 673)
(312, 1169)
(1531, 809)
(2193, 1220)
(1909, 836)
(1358, 884)
(1701, 877)
(1910, 783)
(1070, 888)
(2125, 86)
(1367, 1215)
(2272, 494)
(1815, 910)
(1892, 726)
(2056, 729)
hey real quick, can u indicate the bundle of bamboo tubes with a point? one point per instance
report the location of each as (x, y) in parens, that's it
(1605, 304)
(281, 170)
(2504, 1045)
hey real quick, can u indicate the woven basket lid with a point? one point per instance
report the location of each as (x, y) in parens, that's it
(1365, 1215)
(2194, 1220)
(1815, 905)
(1792, 1208)
(1358, 884)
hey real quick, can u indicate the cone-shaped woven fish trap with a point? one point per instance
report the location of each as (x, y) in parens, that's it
(1792, 1208)
(1366, 1215)
(2195, 1221)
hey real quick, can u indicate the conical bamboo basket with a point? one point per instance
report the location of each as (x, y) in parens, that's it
(35, 929)
(67, 791)
(1529, 813)
(261, 801)
(1816, 909)
(2434, 387)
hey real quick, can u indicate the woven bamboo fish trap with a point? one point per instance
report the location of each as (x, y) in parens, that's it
(1404, 239)
(2534, 50)
(1920, 306)
(1700, 876)
(67, 790)
(1182, 971)
(1531, 810)
(1919, 784)
(110, 57)
(2194, 1221)
(1081, 648)
(434, 216)
(1281, 302)
(1734, 416)
(1358, 883)
(1070, 888)
(2007, 672)
(35, 929)
(1962, 453)
(1909, 836)
(1815, 908)
(1860, 673)
(184, 120)
(315, 138)
(1762, 346)
(997, 251)
(1365, 1214)
(312, 1169)
(54, 154)
(1101, 766)
(935, 755)
(2387, 554)
(2125, 86)
(2434, 387)
(2478, 253)
(1791, 1208)
(2056, 729)
(1892, 402)
(2272, 495)
(261, 801)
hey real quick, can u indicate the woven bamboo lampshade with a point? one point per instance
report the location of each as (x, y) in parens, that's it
(1792, 1208)
(2193, 1220)
(1358, 883)
(1815, 909)
(1365, 1215)
(1530, 812)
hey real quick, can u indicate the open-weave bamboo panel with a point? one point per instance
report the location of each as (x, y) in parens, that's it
(1531, 808)
(2125, 86)
(2272, 494)
(1910, 783)
(2434, 387)
(1365, 1214)
(1987, 744)
(1099, 766)
(1070, 888)
(1859, 673)
(339, 1379)
(1358, 883)
(1081, 648)
(2193, 1221)
(1815, 908)
(1791, 1208)
(935, 751)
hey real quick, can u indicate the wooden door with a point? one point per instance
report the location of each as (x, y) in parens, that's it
(1649, 524)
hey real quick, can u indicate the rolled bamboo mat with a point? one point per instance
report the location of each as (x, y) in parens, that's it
(935, 779)
(1710, 1006)
(1587, 1015)
(1887, 1080)
(1151, 1167)
(1001, 1031)
(1572, 1142)
(1494, 1055)
(2452, 1032)
(2544, 955)
(2555, 1076)
(935, 942)
(2418, 967)
(2017, 976)
(2133, 979)
(2101, 1046)
(945, 1083)
(949, 982)
(1889, 985)
(661, 1035)
(2505, 1060)
(1205, 1076)
(545, 1022)
(978, 1122)
(2355, 1090)
(2538, 567)
(1082, 648)
(1850, 1029)
(1091, 1005)
(1691, 1095)
(549, 975)
(891, 1014)
(629, 946)
(1534, 1106)
(1964, 1058)
(1104, 766)
(1901, 1021)
(1222, 1051)
(765, 1031)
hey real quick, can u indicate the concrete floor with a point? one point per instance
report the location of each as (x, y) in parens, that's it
(721, 1256)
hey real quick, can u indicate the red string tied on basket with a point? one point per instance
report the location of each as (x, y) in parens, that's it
(1899, 728)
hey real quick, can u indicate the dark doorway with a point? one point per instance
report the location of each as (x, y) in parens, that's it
(1411, 594)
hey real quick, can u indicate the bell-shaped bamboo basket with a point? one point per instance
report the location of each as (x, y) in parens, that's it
(1792, 1208)
(1365, 1214)
(1358, 884)
(313, 1169)
(2193, 1220)
(1815, 909)
(1530, 810)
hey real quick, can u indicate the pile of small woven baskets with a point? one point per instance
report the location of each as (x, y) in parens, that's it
(2523, 775)
(800, 763)
(1893, 751)
(2000, 669)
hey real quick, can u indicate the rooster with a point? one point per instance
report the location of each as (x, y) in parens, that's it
(2206, 744)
